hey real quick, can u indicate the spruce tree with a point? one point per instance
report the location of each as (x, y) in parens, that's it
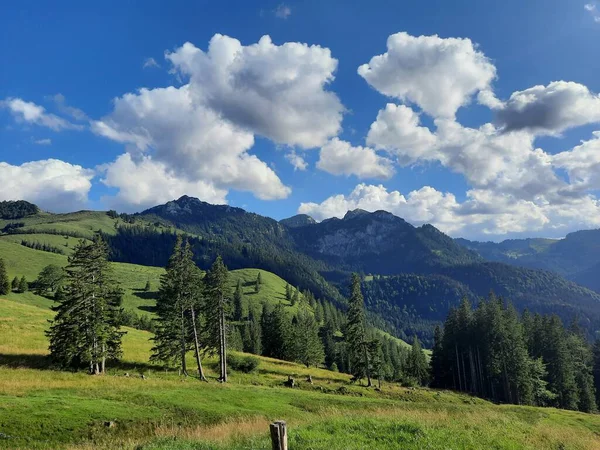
(438, 363)
(276, 333)
(257, 283)
(86, 328)
(179, 300)
(596, 370)
(355, 333)
(147, 287)
(253, 334)
(238, 300)
(4, 283)
(288, 293)
(417, 366)
(14, 285)
(217, 307)
(308, 346)
(23, 285)
(295, 297)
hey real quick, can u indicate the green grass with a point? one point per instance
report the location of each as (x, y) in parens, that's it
(22, 261)
(272, 290)
(42, 408)
(64, 243)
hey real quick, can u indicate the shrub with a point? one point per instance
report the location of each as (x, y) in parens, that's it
(244, 364)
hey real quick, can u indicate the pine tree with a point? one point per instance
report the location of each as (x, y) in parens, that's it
(14, 285)
(4, 283)
(329, 345)
(417, 366)
(276, 336)
(438, 363)
(179, 300)
(59, 294)
(356, 333)
(23, 285)
(257, 283)
(238, 300)
(86, 328)
(295, 297)
(216, 311)
(596, 370)
(308, 346)
(288, 293)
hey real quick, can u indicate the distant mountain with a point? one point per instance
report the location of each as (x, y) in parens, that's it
(418, 272)
(299, 220)
(380, 243)
(576, 257)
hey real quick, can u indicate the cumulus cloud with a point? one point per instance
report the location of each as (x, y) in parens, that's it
(341, 158)
(439, 75)
(582, 164)
(143, 182)
(482, 215)
(276, 91)
(203, 131)
(397, 130)
(52, 184)
(296, 160)
(191, 140)
(28, 112)
(550, 109)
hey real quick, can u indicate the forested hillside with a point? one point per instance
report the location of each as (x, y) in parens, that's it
(415, 273)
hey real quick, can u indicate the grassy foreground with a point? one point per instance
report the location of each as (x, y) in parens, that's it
(42, 408)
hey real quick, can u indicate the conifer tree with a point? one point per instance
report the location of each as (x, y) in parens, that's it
(147, 287)
(417, 367)
(257, 283)
(217, 307)
(253, 334)
(438, 363)
(596, 370)
(179, 299)
(86, 328)
(308, 346)
(288, 293)
(4, 283)
(14, 285)
(276, 333)
(329, 345)
(238, 299)
(295, 297)
(23, 285)
(356, 333)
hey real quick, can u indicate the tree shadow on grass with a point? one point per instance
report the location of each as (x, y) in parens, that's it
(43, 362)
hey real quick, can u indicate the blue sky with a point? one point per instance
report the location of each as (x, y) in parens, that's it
(485, 169)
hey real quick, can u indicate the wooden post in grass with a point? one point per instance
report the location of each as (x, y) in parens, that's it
(279, 435)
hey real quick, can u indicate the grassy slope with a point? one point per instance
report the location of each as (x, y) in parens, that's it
(23, 261)
(40, 408)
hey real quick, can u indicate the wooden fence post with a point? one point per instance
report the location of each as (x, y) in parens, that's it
(279, 435)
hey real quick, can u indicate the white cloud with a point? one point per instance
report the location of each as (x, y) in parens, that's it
(52, 184)
(582, 164)
(550, 109)
(190, 140)
(276, 91)
(341, 158)
(29, 112)
(150, 63)
(439, 75)
(143, 183)
(296, 160)
(590, 7)
(397, 130)
(45, 141)
(483, 215)
(283, 11)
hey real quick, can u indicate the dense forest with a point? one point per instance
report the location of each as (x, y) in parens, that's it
(11, 210)
(495, 353)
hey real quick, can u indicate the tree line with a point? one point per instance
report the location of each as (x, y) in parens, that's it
(493, 352)
(199, 312)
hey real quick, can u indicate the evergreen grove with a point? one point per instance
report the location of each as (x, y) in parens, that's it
(493, 352)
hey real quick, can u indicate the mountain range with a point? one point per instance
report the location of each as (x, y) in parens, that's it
(412, 275)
